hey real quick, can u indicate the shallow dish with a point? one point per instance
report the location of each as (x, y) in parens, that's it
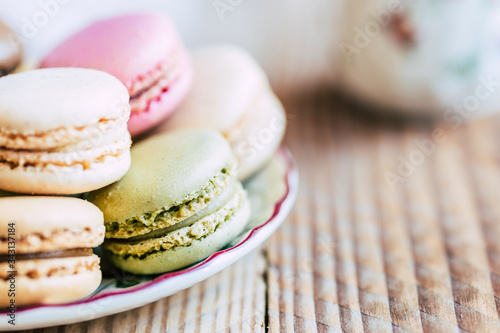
(272, 193)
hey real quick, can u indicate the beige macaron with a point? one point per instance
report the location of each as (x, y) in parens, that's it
(46, 250)
(62, 131)
(231, 94)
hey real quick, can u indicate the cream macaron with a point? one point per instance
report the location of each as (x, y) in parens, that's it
(62, 131)
(46, 250)
(231, 94)
(179, 203)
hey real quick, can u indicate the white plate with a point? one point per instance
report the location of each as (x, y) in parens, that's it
(272, 193)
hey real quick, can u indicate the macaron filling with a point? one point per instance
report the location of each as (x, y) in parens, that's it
(151, 86)
(168, 216)
(45, 268)
(184, 235)
(10, 56)
(58, 137)
(66, 158)
(9, 69)
(55, 240)
(83, 252)
(212, 207)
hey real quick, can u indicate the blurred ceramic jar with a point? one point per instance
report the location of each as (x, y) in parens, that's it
(432, 56)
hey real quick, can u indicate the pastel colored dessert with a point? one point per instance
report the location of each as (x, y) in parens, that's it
(62, 131)
(53, 239)
(231, 95)
(11, 52)
(143, 51)
(179, 203)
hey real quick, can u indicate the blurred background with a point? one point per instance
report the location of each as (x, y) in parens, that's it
(292, 34)
(405, 56)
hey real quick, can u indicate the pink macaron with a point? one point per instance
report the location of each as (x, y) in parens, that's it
(144, 51)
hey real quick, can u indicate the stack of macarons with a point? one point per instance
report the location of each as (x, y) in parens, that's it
(63, 131)
(52, 239)
(168, 202)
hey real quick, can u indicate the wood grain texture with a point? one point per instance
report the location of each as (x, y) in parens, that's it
(358, 254)
(422, 255)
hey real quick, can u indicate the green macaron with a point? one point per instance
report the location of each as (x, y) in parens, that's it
(179, 203)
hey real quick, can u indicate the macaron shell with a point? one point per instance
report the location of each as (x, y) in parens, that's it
(59, 223)
(126, 47)
(51, 213)
(65, 180)
(47, 99)
(11, 52)
(182, 256)
(258, 135)
(164, 170)
(52, 289)
(226, 81)
(164, 105)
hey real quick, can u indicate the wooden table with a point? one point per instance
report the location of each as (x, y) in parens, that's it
(361, 250)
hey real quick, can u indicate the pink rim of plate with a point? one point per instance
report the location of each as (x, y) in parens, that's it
(253, 233)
